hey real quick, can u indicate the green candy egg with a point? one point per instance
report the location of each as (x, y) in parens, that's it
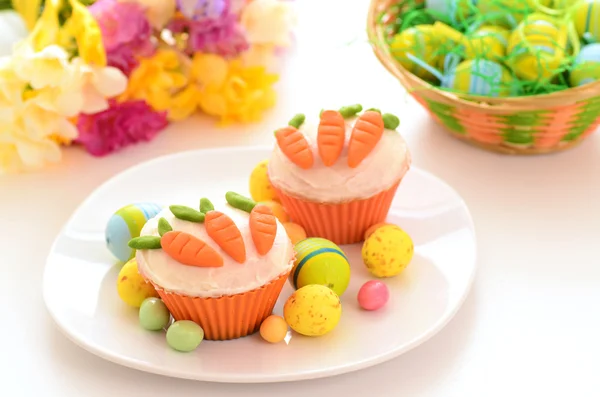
(184, 335)
(154, 314)
(320, 261)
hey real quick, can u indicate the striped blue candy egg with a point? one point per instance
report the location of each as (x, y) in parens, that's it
(320, 261)
(126, 224)
(479, 77)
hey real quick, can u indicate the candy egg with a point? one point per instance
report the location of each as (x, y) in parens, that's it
(184, 335)
(497, 12)
(320, 261)
(313, 310)
(421, 42)
(479, 77)
(586, 17)
(126, 224)
(373, 295)
(273, 329)
(278, 210)
(489, 42)
(373, 228)
(536, 49)
(587, 66)
(131, 286)
(455, 10)
(388, 251)
(154, 314)
(260, 185)
(295, 232)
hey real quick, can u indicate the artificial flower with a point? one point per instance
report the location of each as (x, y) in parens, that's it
(156, 79)
(268, 22)
(199, 9)
(122, 124)
(84, 28)
(121, 23)
(28, 10)
(66, 87)
(221, 35)
(158, 12)
(46, 29)
(26, 139)
(232, 91)
(126, 32)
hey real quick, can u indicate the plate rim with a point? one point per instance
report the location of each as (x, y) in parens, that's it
(334, 371)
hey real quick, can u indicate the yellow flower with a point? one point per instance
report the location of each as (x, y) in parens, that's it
(47, 28)
(232, 91)
(156, 80)
(268, 22)
(28, 9)
(84, 28)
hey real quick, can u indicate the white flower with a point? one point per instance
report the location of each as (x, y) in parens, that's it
(268, 22)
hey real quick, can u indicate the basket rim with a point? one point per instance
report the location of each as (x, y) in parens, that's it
(501, 104)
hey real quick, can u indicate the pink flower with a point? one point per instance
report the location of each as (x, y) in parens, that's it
(122, 124)
(126, 32)
(222, 36)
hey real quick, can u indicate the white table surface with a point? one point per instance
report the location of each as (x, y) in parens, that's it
(530, 327)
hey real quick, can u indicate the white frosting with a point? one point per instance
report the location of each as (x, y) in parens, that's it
(380, 170)
(232, 278)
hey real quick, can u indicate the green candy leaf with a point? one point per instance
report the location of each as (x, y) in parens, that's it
(373, 110)
(206, 205)
(163, 226)
(390, 122)
(297, 120)
(321, 112)
(240, 202)
(187, 214)
(145, 243)
(349, 111)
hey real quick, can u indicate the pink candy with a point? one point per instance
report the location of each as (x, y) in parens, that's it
(373, 295)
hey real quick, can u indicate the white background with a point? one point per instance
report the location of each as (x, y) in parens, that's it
(530, 327)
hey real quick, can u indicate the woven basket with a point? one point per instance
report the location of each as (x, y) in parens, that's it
(519, 125)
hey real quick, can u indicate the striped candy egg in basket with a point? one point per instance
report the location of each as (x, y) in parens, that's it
(509, 76)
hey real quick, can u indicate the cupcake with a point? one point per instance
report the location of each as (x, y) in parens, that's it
(222, 268)
(337, 176)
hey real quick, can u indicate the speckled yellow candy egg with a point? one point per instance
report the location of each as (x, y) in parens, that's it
(313, 310)
(132, 287)
(388, 251)
(260, 186)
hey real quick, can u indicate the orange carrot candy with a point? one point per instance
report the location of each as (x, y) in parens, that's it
(190, 250)
(331, 135)
(182, 247)
(293, 143)
(226, 234)
(366, 133)
(263, 228)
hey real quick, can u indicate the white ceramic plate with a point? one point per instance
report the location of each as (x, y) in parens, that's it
(80, 279)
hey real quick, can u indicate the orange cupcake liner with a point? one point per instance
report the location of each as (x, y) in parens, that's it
(227, 317)
(343, 223)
